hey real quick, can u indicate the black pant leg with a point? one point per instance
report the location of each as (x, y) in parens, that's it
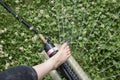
(19, 73)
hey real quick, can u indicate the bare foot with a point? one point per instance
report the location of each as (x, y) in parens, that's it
(62, 55)
(52, 63)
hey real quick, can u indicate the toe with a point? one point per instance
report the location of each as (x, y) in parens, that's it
(64, 45)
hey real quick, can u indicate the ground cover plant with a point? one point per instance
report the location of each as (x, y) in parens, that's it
(92, 27)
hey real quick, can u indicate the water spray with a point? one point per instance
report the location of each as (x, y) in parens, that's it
(49, 47)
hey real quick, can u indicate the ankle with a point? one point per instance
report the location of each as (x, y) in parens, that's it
(55, 61)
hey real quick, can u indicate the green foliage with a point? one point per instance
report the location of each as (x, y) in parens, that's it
(92, 27)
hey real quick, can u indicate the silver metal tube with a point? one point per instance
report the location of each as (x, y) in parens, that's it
(77, 69)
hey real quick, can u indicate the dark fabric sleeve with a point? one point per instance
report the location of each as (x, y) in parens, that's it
(19, 73)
